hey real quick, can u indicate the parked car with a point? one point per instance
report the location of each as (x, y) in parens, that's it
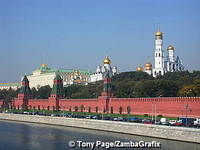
(179, 123)
(133, 119)
(172, 122)
(27, 113)
(164, 121)
(107, 118)
(54, 115)
(94, 117)
(157, 121)
(88, 117)
(189, 122)
(197, 122)
(63, 115)
(147, 121)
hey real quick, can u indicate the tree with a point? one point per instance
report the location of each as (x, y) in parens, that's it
(191, 90)
(43, 92)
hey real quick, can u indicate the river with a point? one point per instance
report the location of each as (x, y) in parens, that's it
(30, 136)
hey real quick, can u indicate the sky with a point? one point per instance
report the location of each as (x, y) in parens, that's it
(78, 34)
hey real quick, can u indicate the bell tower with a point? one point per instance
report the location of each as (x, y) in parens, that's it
(159, 54)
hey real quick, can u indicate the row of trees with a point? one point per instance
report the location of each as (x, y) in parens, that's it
(128, 84)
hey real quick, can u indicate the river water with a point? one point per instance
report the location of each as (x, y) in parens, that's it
(29, 136)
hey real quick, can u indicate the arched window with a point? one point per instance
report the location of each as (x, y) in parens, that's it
(89, 109)
(97, 109)
(120, 110)
(82, 108)
(75, 108)
(70, 109)
(129, 109)
(111, 110)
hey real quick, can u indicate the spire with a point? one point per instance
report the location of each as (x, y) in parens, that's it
(57, 89)
(158, 33)
(158, 27)
(25, 89)
(25, 79)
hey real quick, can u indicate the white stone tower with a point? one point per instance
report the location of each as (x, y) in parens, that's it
(171, 55)
(159, 54)
(171, 66)
(148, 68)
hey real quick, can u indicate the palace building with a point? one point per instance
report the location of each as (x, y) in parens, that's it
(162, 65)
(45, 75)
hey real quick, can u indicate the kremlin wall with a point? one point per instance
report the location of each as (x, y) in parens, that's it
(107, 102)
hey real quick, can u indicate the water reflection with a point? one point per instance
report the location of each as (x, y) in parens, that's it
(27, 136)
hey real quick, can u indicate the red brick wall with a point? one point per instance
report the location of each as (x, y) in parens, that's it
(172, 106)
(38, 103)
(66, 104)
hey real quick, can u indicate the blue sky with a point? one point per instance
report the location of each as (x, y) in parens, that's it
(78, 34)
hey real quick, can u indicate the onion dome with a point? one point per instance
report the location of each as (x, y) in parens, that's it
(148, 66)
(158, 33)
(43, 67)
(170, 47)
(107, 60)
(139, 68)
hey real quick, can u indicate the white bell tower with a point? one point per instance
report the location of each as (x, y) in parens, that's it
(159, 54)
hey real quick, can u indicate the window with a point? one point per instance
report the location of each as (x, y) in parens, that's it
(96, 109)
(111, 110)
(120, 110)
(129, 109)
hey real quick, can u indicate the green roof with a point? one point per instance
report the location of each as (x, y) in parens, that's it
(66, 71)
(45, 69)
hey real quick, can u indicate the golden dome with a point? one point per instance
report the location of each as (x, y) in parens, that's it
(139, 68)
(44, 65)
(170, 47)
(107, 60)
(158, 33)
(148, 66)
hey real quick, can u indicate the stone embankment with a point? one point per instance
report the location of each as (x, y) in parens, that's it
(158, 131)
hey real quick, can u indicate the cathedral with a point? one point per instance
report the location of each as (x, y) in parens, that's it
(102, 70)
(162, 65)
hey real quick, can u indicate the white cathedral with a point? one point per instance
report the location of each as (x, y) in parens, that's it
(172, 63)
(102, 70)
